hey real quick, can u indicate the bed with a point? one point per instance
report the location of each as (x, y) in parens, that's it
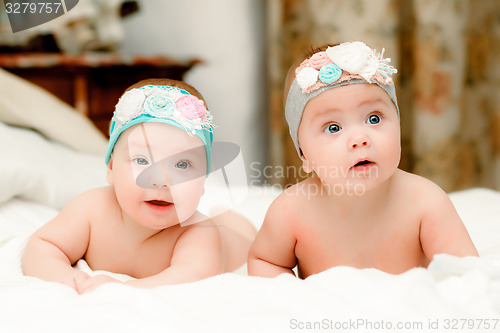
(50, 154)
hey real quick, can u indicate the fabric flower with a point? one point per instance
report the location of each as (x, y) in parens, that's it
(159, 105)
(171, 92)
(319, 60)
(355, 58)
(307, 77)
(129, 105)
(329, 73)
(191, 107)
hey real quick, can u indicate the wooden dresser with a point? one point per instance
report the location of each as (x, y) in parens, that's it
(92, 82)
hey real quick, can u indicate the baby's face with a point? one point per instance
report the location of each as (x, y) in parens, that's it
(158, 172)
(350, 136)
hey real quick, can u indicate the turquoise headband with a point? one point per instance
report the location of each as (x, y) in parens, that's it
(162, 104)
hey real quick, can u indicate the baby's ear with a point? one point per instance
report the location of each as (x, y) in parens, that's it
(109, 171)
(306, 164)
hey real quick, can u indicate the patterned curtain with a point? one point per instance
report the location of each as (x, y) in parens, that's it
(448, 56)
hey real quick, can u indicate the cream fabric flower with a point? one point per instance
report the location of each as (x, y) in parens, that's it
(307, 77)
(355, 58)
(129, 105)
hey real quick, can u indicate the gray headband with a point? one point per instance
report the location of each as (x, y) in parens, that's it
(296, 102)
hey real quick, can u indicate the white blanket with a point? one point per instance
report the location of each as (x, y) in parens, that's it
(38, 176)
(451, 293)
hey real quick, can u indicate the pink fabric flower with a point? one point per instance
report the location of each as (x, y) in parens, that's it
(319, 59)
(191, 107)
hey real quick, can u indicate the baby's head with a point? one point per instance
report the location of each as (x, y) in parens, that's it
(330, 67)
(159, 151)
(163, 101)
(343, 116)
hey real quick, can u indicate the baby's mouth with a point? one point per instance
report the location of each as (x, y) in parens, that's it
(159, 203)
(363, 164)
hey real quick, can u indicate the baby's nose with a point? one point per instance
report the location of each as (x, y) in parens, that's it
(359, 142)
(159, 185)
(154, 177)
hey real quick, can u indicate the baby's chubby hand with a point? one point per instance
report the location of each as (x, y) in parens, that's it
(74, 279)
(94, 282)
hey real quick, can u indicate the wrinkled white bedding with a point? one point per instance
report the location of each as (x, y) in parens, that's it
(450, 290)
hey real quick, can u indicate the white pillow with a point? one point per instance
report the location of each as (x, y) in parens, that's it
(35, 168)
(27, 105)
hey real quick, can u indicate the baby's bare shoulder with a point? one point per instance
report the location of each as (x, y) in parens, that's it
(202, 233)
(306, 190)
(418, 189)
(74, 219)
(290, 199)
(290, 206)
(94, 194)
(92, 201)
(198, 224)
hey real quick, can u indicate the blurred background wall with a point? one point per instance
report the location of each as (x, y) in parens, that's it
(229, 38)
(447, 53)
(448, 84)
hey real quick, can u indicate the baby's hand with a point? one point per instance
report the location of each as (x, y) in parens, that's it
(94, 282)
(74, 279)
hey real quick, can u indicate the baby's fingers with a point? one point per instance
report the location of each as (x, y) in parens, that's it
(94, 282)
(75, 279)
(80, 279)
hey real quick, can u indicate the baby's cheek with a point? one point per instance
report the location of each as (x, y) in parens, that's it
(186, 197)
(390, 153)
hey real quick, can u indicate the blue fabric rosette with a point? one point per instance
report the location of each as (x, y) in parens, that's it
(329, 73)
(159, 106)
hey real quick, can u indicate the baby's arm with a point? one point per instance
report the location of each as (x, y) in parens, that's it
(55, 247)
(273, 251)
(196, 256)
(441, 229)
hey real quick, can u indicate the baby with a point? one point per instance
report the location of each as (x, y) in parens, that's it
(357, 208)
(145, 223)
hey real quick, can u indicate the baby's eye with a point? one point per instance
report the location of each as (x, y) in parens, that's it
(182, 165)
(332, 128)
(141, 161)
(373, 119)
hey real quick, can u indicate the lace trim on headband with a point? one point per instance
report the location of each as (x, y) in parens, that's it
(163, 102)
(341, 63)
